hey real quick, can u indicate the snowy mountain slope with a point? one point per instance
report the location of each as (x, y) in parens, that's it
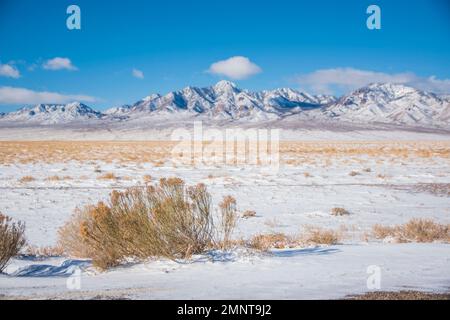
(390, 103)
(374, 104)
(225, 101)
(53, 113)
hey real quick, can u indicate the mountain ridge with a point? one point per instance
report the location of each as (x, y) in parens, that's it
(375, 103)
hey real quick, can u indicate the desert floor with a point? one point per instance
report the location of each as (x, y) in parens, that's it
(385, 182)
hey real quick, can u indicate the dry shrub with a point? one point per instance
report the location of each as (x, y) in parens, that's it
(168, 219)
(147, 178)
(12, 239)
(310, 236)
(229, 219)
(416, 230)
(107, 176)
(48, 251)
(26, 179)
(53, 178)
(71, 237)
(382, 232)
(319, 236)
(249, 214)
(439, 189)
(265, 242)
(354, 173)
(58, 178)
(339, 212)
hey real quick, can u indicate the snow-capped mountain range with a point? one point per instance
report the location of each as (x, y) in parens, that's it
(53, 113)
(225, 101)
(376, 103)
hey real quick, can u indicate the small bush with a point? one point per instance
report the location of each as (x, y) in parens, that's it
(264, 242)
(147, 178)
(26, 179)
(229, 218)
(310, 236)
(12, 239)
(58, 178)
(107, 176)
(339, 212)
(71, 236)
(318, 236)
(382, 232)
(249, 214)
(44, 251)
(54, 178)
(354, 173)
(416, 230)
(168, 219)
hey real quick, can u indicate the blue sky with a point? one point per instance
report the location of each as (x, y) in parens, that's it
(318, 46)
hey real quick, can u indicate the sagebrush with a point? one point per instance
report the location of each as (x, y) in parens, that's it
(416, 230)
(168, 219)
(12, 239)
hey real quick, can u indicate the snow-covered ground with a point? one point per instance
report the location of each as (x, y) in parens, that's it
(314, 273)
(291, 130)
(391, 192)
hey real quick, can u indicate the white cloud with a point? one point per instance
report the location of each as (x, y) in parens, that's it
(7, 70)
(13, 95)
(59, 64)
(433, 84)
(137, 74)
(235, 68)
(346, 79)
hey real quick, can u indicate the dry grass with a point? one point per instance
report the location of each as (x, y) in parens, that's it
(248, 214)
(264, 242)
(160, 152)
(46, 252)
(26, 179)
(439, 189)
(310, 236)
(147, 178)
(12, 239)
(58, 178)
(229, 219)
(339, 212)
(401, 295)
(320, 236)
(107, 176)
(71, 238)
(168, 219)
(416, 230)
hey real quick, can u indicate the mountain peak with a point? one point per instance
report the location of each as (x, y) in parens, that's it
(54, 113)
(392, 88)
(225, 85)
(151, 97)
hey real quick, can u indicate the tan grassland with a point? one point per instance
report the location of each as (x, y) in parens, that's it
(160, 152)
